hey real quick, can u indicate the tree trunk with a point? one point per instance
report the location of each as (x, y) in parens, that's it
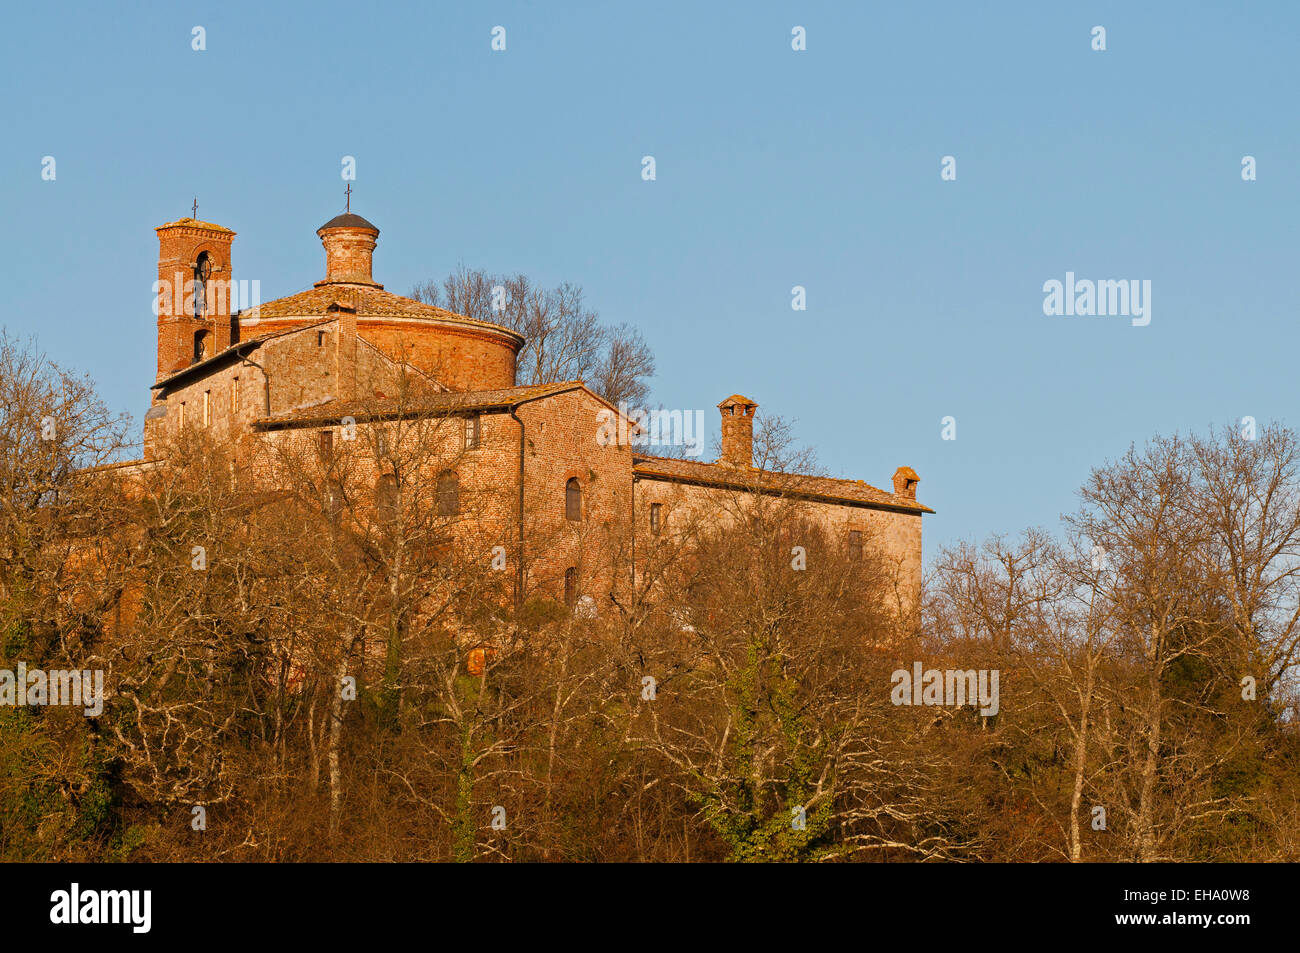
(1146, 799)
(336, 739)
(1080, 768)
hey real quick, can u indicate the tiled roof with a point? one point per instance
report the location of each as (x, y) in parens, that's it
(368, 302)
(347, 220)
(333, 411)
(723, 475)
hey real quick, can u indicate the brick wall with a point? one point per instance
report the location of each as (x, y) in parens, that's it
(896, 536)
(462, 358)
(561, 445)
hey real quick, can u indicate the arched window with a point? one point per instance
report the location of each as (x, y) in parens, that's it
(386, 507)
(570, 586)
(202, 272)
(448, 494)
(573, 500)
(200, 345)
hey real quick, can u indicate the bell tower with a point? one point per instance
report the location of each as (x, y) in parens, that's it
(194, 293)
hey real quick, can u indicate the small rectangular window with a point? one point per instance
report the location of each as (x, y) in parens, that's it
(320, 338)
(448, 487)
(182, 419)
(234, 397)
(855, 544)
(327, 444)
(207, 408)
(656, 517)
(473, 431)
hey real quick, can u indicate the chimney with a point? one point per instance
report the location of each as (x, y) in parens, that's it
(905, 481)
(349, 242)
(737, 431)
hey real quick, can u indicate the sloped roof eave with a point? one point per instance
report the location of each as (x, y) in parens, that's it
(235, 350)
(722, 479)
(450, 403)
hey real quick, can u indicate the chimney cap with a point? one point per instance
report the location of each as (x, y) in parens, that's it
(905, 481)
(348, 220)
(737, 400)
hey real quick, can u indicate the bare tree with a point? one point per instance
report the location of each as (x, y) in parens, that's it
(1249, 498)
(63, 581)
(564, 339)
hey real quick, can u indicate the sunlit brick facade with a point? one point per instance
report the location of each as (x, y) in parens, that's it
(346, 354)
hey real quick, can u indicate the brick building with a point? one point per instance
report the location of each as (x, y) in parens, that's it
(345, 356)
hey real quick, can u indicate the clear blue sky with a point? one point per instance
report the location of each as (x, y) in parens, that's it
(775, 168)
